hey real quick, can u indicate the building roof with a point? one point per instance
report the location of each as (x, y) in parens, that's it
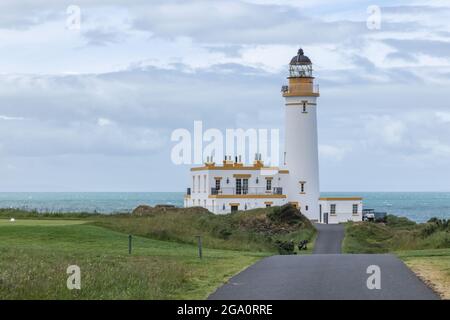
(230, 165)
(340, 198)
(300, 59)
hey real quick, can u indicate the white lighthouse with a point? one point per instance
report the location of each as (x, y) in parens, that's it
(301, 147)
(233, 186)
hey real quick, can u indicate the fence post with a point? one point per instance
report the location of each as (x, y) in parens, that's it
(199, 242)
(130, 238)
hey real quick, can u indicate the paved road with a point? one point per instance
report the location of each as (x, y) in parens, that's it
(329, 239)
(324, 275)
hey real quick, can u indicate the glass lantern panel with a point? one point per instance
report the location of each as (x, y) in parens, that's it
(300, 71)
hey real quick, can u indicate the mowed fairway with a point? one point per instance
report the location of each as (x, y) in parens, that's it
(34, 256)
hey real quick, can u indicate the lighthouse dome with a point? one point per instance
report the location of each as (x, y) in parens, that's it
(300, 59)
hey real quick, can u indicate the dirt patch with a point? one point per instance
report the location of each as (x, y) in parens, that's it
(434, 273)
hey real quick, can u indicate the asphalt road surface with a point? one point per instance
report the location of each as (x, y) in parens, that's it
(329, 239)
(325, 275)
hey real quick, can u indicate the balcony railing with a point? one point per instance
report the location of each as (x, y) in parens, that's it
(278, 190)
(249, 191)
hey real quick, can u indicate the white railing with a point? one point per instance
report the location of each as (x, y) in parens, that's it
(249, 190)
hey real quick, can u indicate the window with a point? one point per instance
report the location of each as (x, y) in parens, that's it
(268, 205)
(306, 208)
(217, 184)
(304, 106)
(332, 209)
(302, 187)
(355, 209)
(268, 184)
(238, 186)
(244, 186)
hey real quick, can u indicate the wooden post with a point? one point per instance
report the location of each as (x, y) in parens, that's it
(199, 241)
(130, 238)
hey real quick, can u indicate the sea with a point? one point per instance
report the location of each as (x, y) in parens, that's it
(417, 206)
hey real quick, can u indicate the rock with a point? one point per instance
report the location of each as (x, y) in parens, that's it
(143, 210)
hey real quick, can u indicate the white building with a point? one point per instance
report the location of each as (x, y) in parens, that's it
(234, 186)
(339, 209)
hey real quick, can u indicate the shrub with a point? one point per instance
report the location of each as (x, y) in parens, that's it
(285, 247)
(433, 225)
(286, 214)
(224, 233)
(399, 222)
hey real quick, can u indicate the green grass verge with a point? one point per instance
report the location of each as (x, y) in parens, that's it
(398, 234)
(35, 256)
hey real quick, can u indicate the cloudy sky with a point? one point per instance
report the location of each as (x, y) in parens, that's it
(93, 109)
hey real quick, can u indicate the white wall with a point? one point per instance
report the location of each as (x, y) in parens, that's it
(344, 211)
(301, 149)
(200, 192)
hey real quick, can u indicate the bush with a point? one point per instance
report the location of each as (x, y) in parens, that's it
(433, 225)
(286, 214)
(285, 247)
(399, 222)
(224, 233)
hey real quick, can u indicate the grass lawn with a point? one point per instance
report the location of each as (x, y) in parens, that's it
(36, 250)
(432, 266)
(34, 256)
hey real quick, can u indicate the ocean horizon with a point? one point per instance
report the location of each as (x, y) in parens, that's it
(417, 206)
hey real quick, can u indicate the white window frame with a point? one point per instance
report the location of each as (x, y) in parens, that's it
(333, 209)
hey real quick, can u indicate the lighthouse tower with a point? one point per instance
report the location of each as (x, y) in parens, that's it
(301, 148)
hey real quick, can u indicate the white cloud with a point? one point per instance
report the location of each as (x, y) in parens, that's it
(443, 116)
(435, 148)
(333, 152)
(103, 122)
(385, 128)
(7, 118)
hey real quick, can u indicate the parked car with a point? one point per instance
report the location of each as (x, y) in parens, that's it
(368, 215)
(372, 215)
